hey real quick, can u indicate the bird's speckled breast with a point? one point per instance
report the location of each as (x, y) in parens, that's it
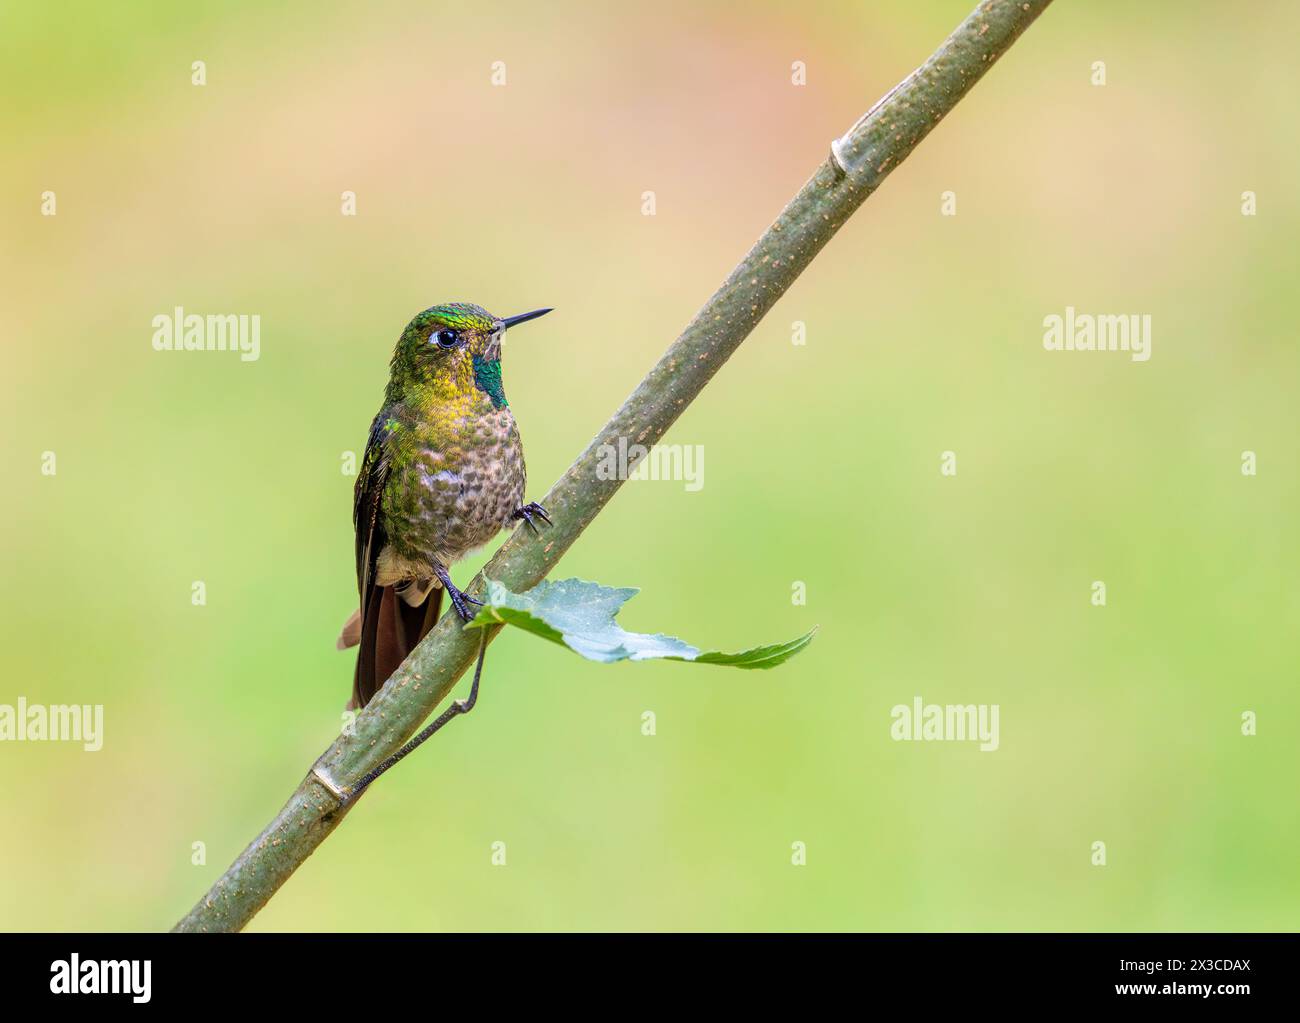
(458, 491)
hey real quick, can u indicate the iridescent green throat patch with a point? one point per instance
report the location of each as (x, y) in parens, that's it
(487, 375)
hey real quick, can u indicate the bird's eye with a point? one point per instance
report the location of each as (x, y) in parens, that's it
(447, 338)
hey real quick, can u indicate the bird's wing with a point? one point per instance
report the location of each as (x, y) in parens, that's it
(367, 499)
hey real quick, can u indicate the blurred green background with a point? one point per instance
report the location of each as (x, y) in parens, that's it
(924, 334)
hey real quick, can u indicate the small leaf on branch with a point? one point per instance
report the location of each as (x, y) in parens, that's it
(580, 615)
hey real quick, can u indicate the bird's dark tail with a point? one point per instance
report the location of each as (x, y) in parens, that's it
(390, 629)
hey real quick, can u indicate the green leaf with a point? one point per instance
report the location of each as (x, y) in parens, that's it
(580, 615)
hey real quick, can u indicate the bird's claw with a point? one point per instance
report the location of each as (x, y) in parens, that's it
(461, 602)
(528, 511)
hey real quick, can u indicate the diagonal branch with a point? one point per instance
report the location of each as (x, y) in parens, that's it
(859, 162)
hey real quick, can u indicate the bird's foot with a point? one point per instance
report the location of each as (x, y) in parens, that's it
(460, 600)
(527, 513)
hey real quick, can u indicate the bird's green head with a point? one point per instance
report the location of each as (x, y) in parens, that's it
(453, 350)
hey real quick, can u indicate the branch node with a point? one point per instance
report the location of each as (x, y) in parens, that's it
(322, 775)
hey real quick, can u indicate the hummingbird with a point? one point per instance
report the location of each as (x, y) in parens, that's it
(443, 473)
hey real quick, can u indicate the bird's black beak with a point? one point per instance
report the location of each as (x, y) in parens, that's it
(509, 321)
